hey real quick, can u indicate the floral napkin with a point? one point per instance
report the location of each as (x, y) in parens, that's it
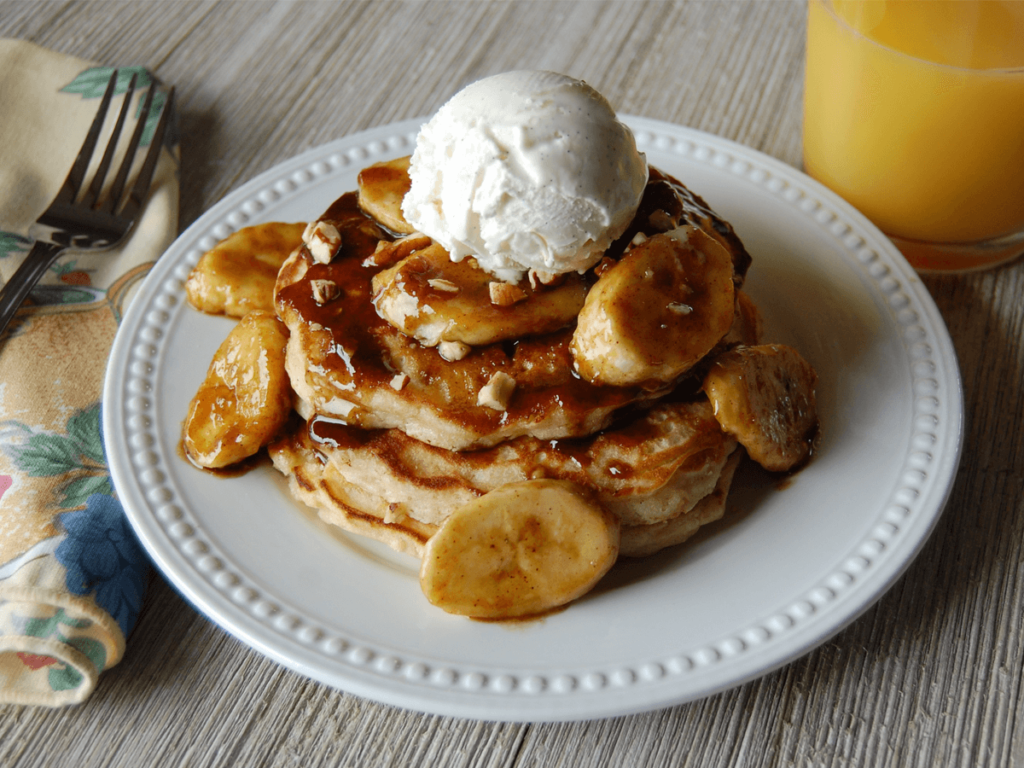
(72, 575)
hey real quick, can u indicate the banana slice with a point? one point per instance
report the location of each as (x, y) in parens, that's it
(381, 189)
(237, 275)
(522, 549)
(748, 324)
(656, 312)
(764, 396)
(246, 396)
(431, 298)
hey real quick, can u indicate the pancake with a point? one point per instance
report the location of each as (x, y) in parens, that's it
(649, 471)
(315, 483)
(644, 540)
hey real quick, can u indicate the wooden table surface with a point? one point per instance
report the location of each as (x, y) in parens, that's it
(930, 676)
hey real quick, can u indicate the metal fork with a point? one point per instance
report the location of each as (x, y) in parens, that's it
(81, 218)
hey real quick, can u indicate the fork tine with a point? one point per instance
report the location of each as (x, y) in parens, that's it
(117, 189)
(101, 171)
(73, 183)
(145, 177)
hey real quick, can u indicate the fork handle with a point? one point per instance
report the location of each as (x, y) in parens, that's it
(24, 279)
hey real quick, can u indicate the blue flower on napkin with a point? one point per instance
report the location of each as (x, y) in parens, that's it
(101, 553)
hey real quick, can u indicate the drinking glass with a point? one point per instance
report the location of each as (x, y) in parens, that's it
(914, 113)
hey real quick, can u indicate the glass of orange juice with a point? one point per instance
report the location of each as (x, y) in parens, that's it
(914, 113)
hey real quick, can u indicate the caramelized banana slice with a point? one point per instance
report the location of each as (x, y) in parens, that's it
(764, 396)
(748, 325)
(431, 298)
(381, 189)
(237, 275)
(246, 397)
(656, 312)
(519, 550)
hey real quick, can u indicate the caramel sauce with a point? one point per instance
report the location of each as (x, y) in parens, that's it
(351, 320)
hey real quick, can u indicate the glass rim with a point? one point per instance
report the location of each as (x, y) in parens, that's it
(828, 5)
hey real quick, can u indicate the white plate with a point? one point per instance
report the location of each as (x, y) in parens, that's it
(794, 565)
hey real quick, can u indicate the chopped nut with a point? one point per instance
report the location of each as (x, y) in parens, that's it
(497, 392)
(638, 239)
(661, 220)
(324, 291)
(343, 409)
(453, 350)
(323, 240)
(398, 381)
(548, 279)
(383, 255)
(505, 294)
(679, 308)
(440, 284)
(391, 252)
(604, 265)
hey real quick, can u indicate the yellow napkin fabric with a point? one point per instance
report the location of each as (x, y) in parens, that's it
(72, 575)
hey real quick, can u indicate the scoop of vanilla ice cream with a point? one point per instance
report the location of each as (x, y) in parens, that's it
(525, 170)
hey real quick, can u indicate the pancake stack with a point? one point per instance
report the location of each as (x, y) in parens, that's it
(428, 391)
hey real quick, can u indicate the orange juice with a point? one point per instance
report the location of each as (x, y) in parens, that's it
(914, 112)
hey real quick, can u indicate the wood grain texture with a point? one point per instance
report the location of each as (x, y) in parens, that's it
(929, 676)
